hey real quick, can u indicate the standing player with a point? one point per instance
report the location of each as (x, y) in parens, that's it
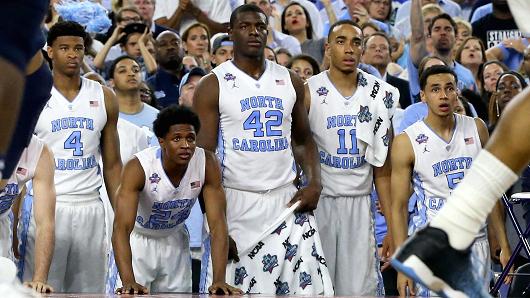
(36, 164)
(159, 187)
(340, 101)
(251, 105)
(435, 154)
(79, 125)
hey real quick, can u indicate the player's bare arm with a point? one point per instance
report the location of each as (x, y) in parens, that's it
(382, 186)
(206, 105)
(110, 145)
(132, 182)
(215, 203)
(402, 157)
(302, 137)
(44, 210)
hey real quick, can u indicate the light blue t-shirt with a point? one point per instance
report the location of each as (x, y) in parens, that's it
(511, 57)
(144, 119)
(481, 12)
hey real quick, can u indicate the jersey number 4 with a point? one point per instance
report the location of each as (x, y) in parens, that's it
(74, 142)
(274, 119)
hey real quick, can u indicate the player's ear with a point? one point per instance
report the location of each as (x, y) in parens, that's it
(111, 83)
(422, 96)
(49, 51)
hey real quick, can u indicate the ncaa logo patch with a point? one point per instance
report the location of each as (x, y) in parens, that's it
(269, 262)
(241, 273)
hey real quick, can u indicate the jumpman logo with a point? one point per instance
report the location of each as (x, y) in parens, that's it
(324, 101)
(425, 149)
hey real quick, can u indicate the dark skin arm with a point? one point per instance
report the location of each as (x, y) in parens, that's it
(304, 142)
(110, 145)
(215, 203)
(126, 208)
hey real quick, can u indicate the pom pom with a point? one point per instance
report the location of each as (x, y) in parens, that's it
(89, 14)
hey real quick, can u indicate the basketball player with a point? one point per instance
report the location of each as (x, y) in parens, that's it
(435, 155)
(344, 214)
(167, 180)
(252, 105)
(79, 125)
(36, 164)
(21, 60)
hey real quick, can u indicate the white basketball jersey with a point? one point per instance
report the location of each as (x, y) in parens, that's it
(162, 207)
(333, 121)
(439, 166)
(24, 171)
(255, 127)
(72, 131)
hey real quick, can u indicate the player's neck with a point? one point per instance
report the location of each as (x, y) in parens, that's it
(443, 126)
(68, 86)
(346, 83)
(253, 66)
(129, 101)
(174, 171)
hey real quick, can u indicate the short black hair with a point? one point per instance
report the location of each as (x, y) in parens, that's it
(175, 114)
(245, 8)
(344, 22)
(66, 28)
(434, 70)
(446, 17)
(112, 68)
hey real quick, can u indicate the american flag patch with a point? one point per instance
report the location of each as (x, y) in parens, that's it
(22, 171)
(94, 103)
(280, 82)
(195, 184)
(469, 141)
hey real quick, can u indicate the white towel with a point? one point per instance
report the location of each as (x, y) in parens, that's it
(286, 259)
(377, 106)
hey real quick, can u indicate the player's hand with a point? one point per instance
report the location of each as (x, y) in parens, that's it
(504, 258)
(308, 197)
(39, 286)
(403, 283)
(232, 250)
(222, 288)
(386, 251)
(132, 288)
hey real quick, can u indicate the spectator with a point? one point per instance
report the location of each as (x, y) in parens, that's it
(135, 41)
(189, 62)
(429, 11)
(147, 95)
(296, 22)
(276, 39)
(448, 6)
(369, 28)
(147, 10)
(442, 31)
(166, 80)
(270, 54)
(283, 56)
(497, 26)
(472, 54)
(380, 10)
(510, 84)
(179, 15)
(317, 26)
(304, 66)
(377, 52)
(196, 43)
(222, 48)
(187, 86)
(463, 31)
(489, 74)
(510, 51)
(124, 15)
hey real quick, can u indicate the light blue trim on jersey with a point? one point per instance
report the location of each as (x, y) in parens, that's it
(205, 261)
(380, 289)
(112, 274)
(23, 239)
(420, 219)
(221, 149)
(438, 136)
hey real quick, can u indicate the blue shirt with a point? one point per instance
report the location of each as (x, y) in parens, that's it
(465, 79)
(165, 86)
(144, 118)
(511, 57)
(481, 12)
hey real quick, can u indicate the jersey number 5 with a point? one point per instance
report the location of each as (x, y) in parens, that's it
(274, 119)
(74, 142)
